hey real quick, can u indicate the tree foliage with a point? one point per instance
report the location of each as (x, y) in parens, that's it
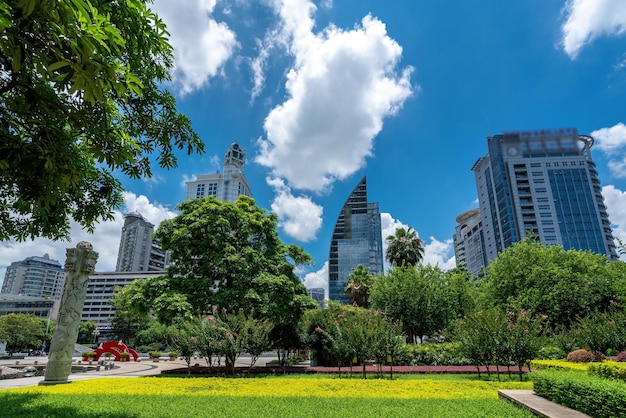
(81, 97)
(229, 255)
(420, 297)
(21, 331)
(358, 286)
(405, 248)
(548, 280)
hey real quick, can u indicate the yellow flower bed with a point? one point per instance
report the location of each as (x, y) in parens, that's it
(558, 364)
(322, 388)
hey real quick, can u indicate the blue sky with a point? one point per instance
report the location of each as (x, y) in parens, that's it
(322, 93)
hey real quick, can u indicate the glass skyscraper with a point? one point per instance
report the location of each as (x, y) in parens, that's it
(542, 183)
(356, 239)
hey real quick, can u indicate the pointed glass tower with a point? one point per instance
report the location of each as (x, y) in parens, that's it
(356, 240)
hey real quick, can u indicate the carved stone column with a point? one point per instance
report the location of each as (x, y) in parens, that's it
(79, 264)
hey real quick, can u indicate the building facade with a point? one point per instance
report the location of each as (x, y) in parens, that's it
(138, 251)
(543, 183)
(41, 307)
(469, 242)
(35, 276)
(356, 239)
(226, 186)
(100, 290)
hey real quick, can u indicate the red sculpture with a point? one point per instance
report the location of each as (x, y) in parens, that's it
(116, 348)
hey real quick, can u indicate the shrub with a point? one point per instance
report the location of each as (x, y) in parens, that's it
(437, 354)
(592, 395)
(551, 353)
(155, 354)
(581, 356)
(608, 370)
(611, 352)
(621, 356)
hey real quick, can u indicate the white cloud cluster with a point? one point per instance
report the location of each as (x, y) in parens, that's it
(201, 45)
(615, 200)
(590, 19)
(298, 216)
(612, 141)
(105, 239)
(318, 279)
(341, 87)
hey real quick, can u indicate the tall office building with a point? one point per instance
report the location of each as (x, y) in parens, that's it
(35, 276)
(469, 242)
(542, 182)
(356, 239)
(138, 251)
(226, 186)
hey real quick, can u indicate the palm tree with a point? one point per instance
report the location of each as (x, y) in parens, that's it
(405, 248)
(358, 286)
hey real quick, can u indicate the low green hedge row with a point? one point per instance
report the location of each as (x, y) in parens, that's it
(608, 370)
(592, 395)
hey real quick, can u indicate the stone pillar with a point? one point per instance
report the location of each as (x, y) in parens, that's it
(79, 264)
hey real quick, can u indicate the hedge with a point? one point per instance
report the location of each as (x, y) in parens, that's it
(592, 395)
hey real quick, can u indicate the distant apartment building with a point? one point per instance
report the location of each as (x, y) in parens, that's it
(226, 186)
(543, 183)
(356, 239)
(35, 276)
(318, 294)
(469, 243)
(137, 250)
(100, 290)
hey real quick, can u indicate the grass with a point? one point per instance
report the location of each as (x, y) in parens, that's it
(300, 396)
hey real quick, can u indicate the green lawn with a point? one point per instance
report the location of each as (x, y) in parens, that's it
(264, 397)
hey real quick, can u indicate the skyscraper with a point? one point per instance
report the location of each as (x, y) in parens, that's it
(226, 186)
(545, 183)
(35, 276)
(356, 239)
(138, 251)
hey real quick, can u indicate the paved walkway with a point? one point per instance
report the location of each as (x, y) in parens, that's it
(538, 405)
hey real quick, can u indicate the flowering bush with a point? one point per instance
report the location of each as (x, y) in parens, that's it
(621, 356)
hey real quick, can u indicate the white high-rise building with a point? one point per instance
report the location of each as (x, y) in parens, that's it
(35, 276)
(469, 243)
(138, 251)
(226, 186)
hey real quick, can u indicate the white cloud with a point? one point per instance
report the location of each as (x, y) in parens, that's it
(436, 253)
(590, 19)
(298, 216)
(105, 239)
(615, 200)
(439, 253)
(341, 87)
(317, 279)
(201, 45)
(612, 141)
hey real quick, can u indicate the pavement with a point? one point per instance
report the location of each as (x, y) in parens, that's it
(144, 367)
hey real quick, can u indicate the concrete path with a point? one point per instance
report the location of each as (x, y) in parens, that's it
(145, 367)
(538, 405)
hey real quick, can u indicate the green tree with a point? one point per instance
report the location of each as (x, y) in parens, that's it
(184, 336)
(358, 286)
(548, 280)
(418, 297)
(229, 255)
(86, 329)
(82, 97)
(21, 331)
(404, 248)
